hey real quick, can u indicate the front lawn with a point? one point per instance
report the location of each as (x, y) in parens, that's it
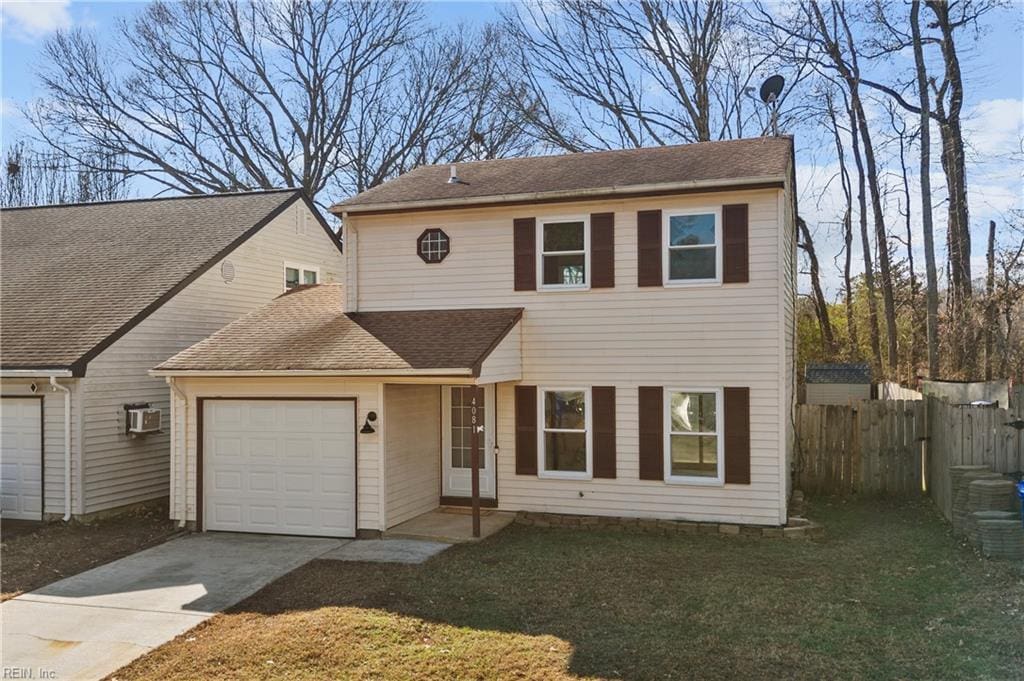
(887, 595)
(35, 554)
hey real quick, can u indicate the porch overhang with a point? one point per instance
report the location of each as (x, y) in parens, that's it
(306, 333)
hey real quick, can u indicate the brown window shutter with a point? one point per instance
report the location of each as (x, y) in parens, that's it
(526, 430)
(735, 254)
(524, 245)
(648, 243)
(652, 433)
(603, 413)
(602, 250)
(737, 435)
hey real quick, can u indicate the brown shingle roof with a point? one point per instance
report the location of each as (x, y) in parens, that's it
(733, 160)
(306, 330)
(75, 277)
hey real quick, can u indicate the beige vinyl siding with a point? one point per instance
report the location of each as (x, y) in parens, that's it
(627, 495)
(53, 438)
(701, 336)
(505, 363)
(788, 257)
(412, 453)
(121, 469)
(367, 394)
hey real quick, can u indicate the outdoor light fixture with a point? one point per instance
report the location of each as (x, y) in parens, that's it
(368, 428)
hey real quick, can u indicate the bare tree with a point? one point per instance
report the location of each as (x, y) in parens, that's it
(825, 38)
(990, 303)
(904, 138)
(940, 100)
(831, 117)
(927, 227)
(223, 95)
(32, 178)
(806, 244)
(450, 105)
(629, 74)
(865, 238)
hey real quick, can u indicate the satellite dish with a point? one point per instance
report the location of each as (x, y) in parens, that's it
(772, 88)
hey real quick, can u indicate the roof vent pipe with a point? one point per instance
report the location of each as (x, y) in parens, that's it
(453, 176)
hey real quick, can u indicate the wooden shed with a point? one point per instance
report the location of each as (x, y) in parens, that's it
(837, 383)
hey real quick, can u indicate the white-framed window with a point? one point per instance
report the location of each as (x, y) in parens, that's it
(563, 255)
(694, 443)
(693, 246)
(298, 275)
(564, 449)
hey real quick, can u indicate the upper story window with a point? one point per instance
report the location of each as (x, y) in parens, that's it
(433, 245)
(693, 253)
(297, 275)
(564, 255)
(564, 450)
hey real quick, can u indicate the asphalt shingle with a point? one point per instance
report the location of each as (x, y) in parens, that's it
(705, 161)
(306, 330)
(74, 275)
(838, 373)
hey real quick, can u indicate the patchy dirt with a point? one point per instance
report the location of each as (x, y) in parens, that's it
(35, 554)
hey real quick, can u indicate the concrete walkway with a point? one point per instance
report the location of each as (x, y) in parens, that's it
(451, 525)
(89, 625)
(408, 551)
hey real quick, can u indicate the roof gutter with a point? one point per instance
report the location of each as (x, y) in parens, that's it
(36, 373)
(628, 190)
(368, 373)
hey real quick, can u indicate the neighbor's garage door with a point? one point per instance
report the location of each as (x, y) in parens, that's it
(21, 458)
(280, 466)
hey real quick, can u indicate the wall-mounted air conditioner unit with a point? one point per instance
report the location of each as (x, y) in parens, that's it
(143, 420)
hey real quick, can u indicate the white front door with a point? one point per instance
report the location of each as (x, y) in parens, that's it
(280, 466)
(21, 458)
(455, 445)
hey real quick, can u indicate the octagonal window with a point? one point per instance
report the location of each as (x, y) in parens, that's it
(433, 245)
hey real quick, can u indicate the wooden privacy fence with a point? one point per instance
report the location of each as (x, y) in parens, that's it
(872, 447)
(963, 435)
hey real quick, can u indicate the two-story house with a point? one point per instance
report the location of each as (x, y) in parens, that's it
(623, 320)
(92, 297)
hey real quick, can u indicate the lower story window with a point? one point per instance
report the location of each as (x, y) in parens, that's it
(565, 441)
(694, 439)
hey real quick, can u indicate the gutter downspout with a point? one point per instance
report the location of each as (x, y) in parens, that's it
(67, 445)
(182, 468)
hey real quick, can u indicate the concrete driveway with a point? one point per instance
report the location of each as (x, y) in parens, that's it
(89, 625)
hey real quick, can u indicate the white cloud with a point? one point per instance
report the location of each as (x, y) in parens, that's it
(994, 127)
(31, 19)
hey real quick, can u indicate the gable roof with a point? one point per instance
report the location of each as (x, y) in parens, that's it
(77, 277)
(306, 330)
(748, 161)
(838, 373)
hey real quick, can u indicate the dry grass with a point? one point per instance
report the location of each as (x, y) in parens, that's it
(35, 554)
(887, 595)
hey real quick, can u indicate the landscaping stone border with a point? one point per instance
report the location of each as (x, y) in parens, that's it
(798, 528)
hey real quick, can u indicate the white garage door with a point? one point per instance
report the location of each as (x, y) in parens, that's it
(280, 466)
(21, 453)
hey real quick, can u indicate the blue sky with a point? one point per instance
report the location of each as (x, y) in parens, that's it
(993, 120)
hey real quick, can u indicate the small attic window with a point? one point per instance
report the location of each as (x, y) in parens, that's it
(433, 245)
(297, 275)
